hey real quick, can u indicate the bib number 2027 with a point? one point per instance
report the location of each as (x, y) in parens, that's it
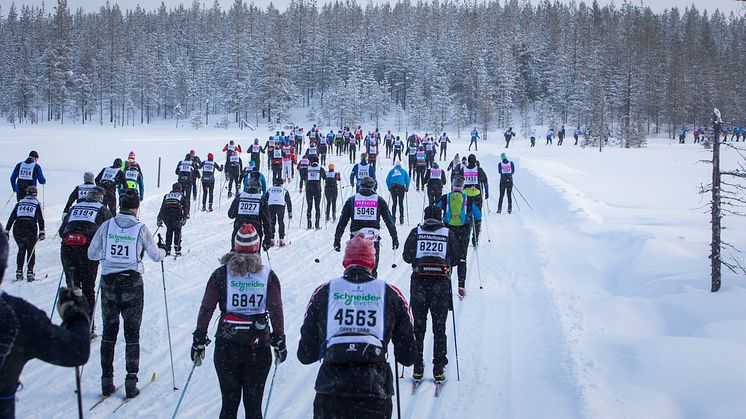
(352, 317)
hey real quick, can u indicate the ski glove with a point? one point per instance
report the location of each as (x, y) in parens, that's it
(42, 235)
(182, 222)
(199, 342)
(160, 244)
(159, 223)
(290, 216)
(461, 293)
(266, 245)
(278, 343)
(72, 304)
(395, 243)
(337, 246)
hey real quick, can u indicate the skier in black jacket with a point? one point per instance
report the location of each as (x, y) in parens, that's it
(173, 213)
(313, 190)
(428, 250)
(111, 178)
(80, 191)
(248, 207)
(354, 375)
(77, 230)
(365, 209)
(277, 199)
(208, 180)
(27, 333)
(233, 170)
(187, 171)
(24, 219)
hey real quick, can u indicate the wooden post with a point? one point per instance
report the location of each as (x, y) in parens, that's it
(716, 216)
(159, 172)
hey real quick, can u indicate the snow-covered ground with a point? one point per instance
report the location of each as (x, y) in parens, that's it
(595, 303)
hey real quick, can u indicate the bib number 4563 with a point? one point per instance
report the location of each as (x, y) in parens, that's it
(352, 317)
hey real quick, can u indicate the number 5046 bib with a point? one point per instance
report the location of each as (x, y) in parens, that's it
(121, 243)
(247, 295)
(355, 309)
(365, 208)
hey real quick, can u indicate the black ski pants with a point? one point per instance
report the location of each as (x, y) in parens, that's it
(277, 215)
(121, 295)
(332, 407)
(110, 199)
(443, 152)
(397, 153)
(242, 372)
(352, 152)
(25, 234)
(313, 197)
(412, 164)
(80, 272)
(331, 201)
(476, 145)
(433, 295)
(397, 200)
(277, 170)
(420, 175)
(208, 188)
(506, 185)
(434, 191)
(460, 249)
(233, 177)
(186, 189)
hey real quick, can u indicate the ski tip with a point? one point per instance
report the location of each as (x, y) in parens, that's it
(152, 377)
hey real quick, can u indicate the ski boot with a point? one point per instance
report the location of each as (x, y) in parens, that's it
(230, 194)
(178, 253)
(130, 386)
(438, 374)
(499, 210)
(203, 208)
(318, 225)
(510, 210)
(419, 372)
(310, 226)
(272, 242)
(30, 276)
(401, 220)
(168, 252)
(107, 386)
(282, 243)
(19, 275)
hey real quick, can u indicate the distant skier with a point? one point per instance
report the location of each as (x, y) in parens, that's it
(435, 179)
(233, 170)
(313, 191)
(173, 213)
(80, 192)
(249, 299)
(365, 211)
(197, 164)
(561, 135)
(27, 333)
(354, 379)
(111, 178)
(251, 172)
(444, 140)
(277, 200)
(331, 191)
(25, 217)
(576, 135)
(398, 147)
(550, 136)
(507, 169)
(509, 134)
(397, 182)
(26, 173)
(388, 141)
(474, 139)
(475, 184)
(420, 168)
(208, 180)
(231, 148)
(303, 164)
(533, 137)
(120, 243)
(186, 170)
(428, 249)
(256, 151)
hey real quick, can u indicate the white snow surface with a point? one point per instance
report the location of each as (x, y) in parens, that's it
(595, 303)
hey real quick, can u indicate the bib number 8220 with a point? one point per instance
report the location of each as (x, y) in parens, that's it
(428, 246)
(352, 317)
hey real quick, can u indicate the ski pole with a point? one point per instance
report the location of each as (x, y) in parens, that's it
(455, 339)
(80, 395)
(406, 202)
(57, 294)
(398, 401)
(486, 225)
(476, 253)
(516, 203)
(300, 216)
(183, 392)
(8, 201)
(524, 198)
(271, 386)
(168, 327)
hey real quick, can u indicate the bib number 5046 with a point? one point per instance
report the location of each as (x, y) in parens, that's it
(352, 317)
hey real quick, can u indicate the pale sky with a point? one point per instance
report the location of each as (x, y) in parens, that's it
(725, 6)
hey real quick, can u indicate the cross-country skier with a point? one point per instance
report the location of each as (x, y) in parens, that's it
(412, 157)
(248, 207)
(303, 164)
(388, 141)
(444, 140)
(509, 134)
(533, 137)
(354, 140)
(397, 181)
(249, 298)
(80, 192)
(364, 212)
(420, 168)
(208, 180)
(26, 173)
(186, 170)
(111, 178)
(135, 180)
(251, 172)
(275, 157)
(476, 182)
(313, 191)
(197, 163)
(576, 135)
(331, 191)
(361, 171)
(428, 249)
(27, 333)
(233, 170)
(77, 230)
(455, 167)
(288, 159)
(458, 214)
(431, 149)
(507, 169)
(351, 337)
(173, 213)
(561, 135)
(256, 151)
(120, 244)
(474, 139)
(372, 147)
(132, 162)
(550, 135)
(398, 147)
(435, 178)
(277, 200)
(231, 148)
(24, 219)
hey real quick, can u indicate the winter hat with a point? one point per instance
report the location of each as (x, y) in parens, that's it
(360, 251)
(210, 156)
(251, 164)
(368, 182)
(278, 181)
(246, 240)
(472, 159)
(192, 152)
(131, 156)
(503, 156)
(97, 194)
(458, 184)
(331, 166)
(176, 187)
(33, 154)
(31, 191)
(88, 177)
(433, 212)
(117, 162)
(130, 200)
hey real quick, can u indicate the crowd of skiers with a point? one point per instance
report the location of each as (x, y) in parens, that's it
(349, 321)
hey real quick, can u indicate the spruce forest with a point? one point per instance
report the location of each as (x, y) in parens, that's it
(623, 70)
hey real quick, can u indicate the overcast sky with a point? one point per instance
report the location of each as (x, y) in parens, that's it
(657, 5)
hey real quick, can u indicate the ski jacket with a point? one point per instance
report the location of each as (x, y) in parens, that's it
(84, 218)
(506, 169)
(174, 207)
(428, 249)
(370, 227)
(361, 170)
(109, 180)
(435, 177)
(208, 170)
(260, 220)
(27, 214)
(331, 180)
(397, 176)
(362, 381)
(20, 181)
(26, 334)
(458, 209)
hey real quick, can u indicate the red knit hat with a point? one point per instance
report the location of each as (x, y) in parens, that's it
(247, 240)
(361, 252)
(209, 156)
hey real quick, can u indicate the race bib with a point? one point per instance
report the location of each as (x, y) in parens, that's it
(247, 295)
(363, 171)
(276, 195)
(121, 243)
(314, 173)
(312, 151)
(26, 171)
(186, 166)
(248, 204)
(84, 190)
(372, 149)
(355, 309)
(85, 212)
(234, 160)
(277, 153)
(110, 173)
(365, 208)
(256, 148)
(435, 173)
(505, 168)
(132, 175)
(471, 176)
(26, 208)
(432, 243)
(208, 167)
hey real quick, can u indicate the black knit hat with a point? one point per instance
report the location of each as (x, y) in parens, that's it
(433, 212)
(33, 154)
(130, 200)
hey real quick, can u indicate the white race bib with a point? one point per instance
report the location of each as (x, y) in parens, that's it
(84, 190)
(247, 295)
(132, 175)
(314, 173)
(26, 171)
(471, 177)
(121, 243)
(355, 308)
(26, 208)
(87, 212)
(432, 243)
(186, 166)
(248, 204)
(363, 171)
(365, 208)
(110, 173)
(276, 195)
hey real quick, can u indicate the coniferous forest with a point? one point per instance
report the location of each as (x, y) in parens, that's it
(614, 69)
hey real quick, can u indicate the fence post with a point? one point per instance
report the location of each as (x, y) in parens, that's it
(159, 172)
